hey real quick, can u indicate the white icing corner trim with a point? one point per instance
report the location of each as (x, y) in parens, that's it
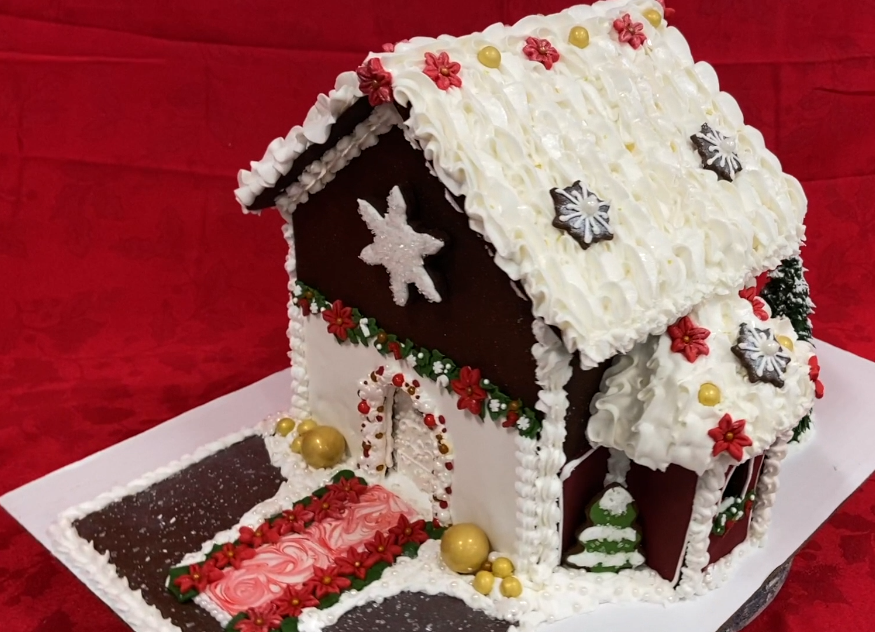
(282, 152)
(539, 513)
(767, 488)
(320, 172)
(96, 569)
(300, 405)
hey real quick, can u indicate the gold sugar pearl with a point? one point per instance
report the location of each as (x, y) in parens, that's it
(578, 36)
(653, 16)
(709, 394)
(786, 342)
(489, 56)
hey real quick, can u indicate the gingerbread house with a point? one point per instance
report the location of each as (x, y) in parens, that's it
(479, 226)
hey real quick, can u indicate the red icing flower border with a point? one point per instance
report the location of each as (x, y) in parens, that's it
(354, 570)
(329, 502)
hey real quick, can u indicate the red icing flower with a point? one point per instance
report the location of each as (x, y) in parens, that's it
(355, 563)
(263, 534)
(406, 531)
(729, 437)
(327, 581)
(327, 507)
(630, 32)
(688, 339)
(294, 519)
(233, 555)
(814, 374)
(293, 600)
(351, 488)
(467, 387)
(262, 619)
(390, 48)
(383, 548)
(442, 71)
(666, 11)
(750, 294)
(198, 577)
(541, 50)
(395, 348)
(339, 319)
(375, 81)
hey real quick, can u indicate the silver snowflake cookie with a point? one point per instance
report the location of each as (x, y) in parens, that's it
(718, 152)
(581, 214)
(762, 356)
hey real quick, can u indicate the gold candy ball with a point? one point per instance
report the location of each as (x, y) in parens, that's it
(306, 426)
(464, 548)
(284, 426)
(578, 36)
(653, 16)
(786, 342)
(511, 587)
(502, 567)
(296, 444)
(323, 446)
(489, 56)
(709, 394)
(483, 582)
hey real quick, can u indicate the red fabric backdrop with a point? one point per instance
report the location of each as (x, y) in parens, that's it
(132, 288)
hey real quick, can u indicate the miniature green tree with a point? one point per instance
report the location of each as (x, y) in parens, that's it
(609, 541)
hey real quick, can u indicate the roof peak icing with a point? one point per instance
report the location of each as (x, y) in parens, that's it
(553, 100)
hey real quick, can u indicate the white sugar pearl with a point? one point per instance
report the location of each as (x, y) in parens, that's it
(770, 347)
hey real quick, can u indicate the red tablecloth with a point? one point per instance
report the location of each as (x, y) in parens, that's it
(132, 288)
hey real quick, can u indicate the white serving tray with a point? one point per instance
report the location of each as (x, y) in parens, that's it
(815, 480)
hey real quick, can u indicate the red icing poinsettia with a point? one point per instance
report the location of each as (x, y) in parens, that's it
(375, 81)
(293, 520)
(390, 48)
(541, 50)
(262, 534)
(759, 305)
(262, 619)
(442, 71)
(814, 374)
(406, 531)
(350, 488)
(355, 563)
(293, 600)
(198, 577)
(666, 11)
(327, 581)
(383, 548)
(467, 387)
(688, 339)
(339, 319)
(232, 554)
(631, 33)
(729, 437)
(327, 507)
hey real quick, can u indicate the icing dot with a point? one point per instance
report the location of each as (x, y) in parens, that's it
(770, 347)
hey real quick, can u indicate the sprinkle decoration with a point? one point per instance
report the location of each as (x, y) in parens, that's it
(719, 152)
(688, 339)
(375, 82)
(814, 374)
(443, 71)
(631, 33)
(541, 50)
(582, 214)
(762, 356)
(729, 437)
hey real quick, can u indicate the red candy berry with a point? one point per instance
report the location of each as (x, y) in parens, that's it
(364, 408)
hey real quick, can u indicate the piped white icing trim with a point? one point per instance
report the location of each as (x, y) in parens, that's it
(300, 406)
(767, 487)
(282, 152)
(96, 570)
(709, 490)
(320, 172)
(539, 512)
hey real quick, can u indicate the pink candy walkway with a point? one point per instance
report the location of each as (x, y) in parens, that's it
(291, 560)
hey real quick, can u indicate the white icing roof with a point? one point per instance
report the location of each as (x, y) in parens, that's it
(617, 119)
(649, 407)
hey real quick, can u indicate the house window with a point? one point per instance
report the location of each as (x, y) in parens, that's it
(738, 481)
(736, 500)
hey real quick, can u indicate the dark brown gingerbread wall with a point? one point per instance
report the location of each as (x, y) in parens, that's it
(480, 322)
